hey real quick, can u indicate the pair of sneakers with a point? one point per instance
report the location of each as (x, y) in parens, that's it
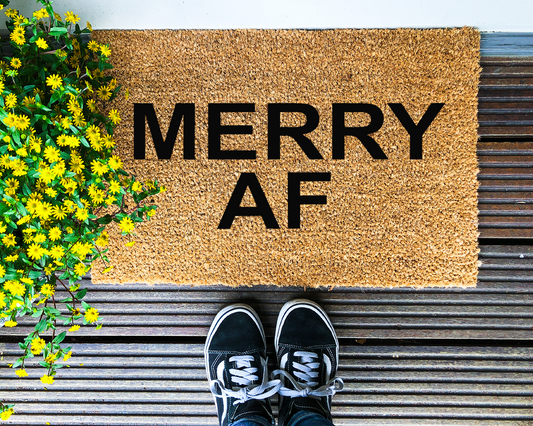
(307, 351)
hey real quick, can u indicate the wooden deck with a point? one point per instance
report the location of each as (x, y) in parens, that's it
(409, 357)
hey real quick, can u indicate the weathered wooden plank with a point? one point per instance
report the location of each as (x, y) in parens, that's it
(510, 233)
(10, 384)
(505, 209)
(505, 197)
(179, 403)
(516, 353)
(352, 363)
(347, 331)
(339, 410)
(111, 420)
(505, 186)
(505, 152)
(345, 321)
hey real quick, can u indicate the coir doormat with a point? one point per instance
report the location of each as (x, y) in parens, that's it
(314, 158)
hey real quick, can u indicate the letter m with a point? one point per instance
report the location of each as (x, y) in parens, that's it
(165, 147)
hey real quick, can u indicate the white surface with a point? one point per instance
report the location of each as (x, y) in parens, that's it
(486, 15)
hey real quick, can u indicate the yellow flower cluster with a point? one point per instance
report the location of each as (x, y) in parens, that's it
(37, 345)
(16, 288)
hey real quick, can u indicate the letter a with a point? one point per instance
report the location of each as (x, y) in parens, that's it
(262, 208)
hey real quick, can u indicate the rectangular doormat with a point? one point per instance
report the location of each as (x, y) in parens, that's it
(301, 158)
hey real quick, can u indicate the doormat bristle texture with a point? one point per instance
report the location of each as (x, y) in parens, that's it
(373, 215)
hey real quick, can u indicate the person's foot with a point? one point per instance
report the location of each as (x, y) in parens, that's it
(236, 366)
(307, 350)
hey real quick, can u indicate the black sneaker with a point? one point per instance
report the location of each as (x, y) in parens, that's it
(307, 350)
(236, 365)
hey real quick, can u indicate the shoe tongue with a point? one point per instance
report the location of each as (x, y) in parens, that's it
(310, 404)
(250, 407)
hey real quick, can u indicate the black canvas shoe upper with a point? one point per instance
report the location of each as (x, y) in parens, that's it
(307, 350)
(236, 365)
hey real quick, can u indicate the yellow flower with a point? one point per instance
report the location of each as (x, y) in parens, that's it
(59, 212)
(52, 154)
(70, 17)
(106, 270)
(54, 233)
(22, 152)
(51, 192)
(74, 328)
(81, 214)
(5, 415)
(108, 141)
(93, 133)
(103, 239)
(40, 238)
(91, 315)
(44, 210)
(126, 225)
(35, 252)
(115, 162)
(66, 122)
(9, 240)
(54, 81)
(114, 116)
(92, 105)
(137, 186)
(18, 36)
(12, 258)
(41, 43)
(47, 380)
(21, 373)
(114, 187)
(37, 345)
(22, 122)
(69, 353)
(11, 100)
(10, 323)
(16, 288)
(79, 120)
(98, 168)
(51, 357)
(11, 13)
(16, 63)
(106, 51)
(2, 273)
(93, 45)
(104, 93)
(40, 14)
(130, 244)
(80, 269)
(47, 290)
(57, 252)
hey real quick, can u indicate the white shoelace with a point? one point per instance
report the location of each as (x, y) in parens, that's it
(307, 372)
(244, 375)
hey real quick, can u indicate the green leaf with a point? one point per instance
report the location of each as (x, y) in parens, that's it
(58, 31)
(81, 294)
(17, 363)
(44, 364)
(56, 96)
(104, 220)
(60, 337)
(40, 326)
(85, 305)
(68, 299)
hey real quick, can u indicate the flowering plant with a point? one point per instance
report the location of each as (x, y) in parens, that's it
(60, 183)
